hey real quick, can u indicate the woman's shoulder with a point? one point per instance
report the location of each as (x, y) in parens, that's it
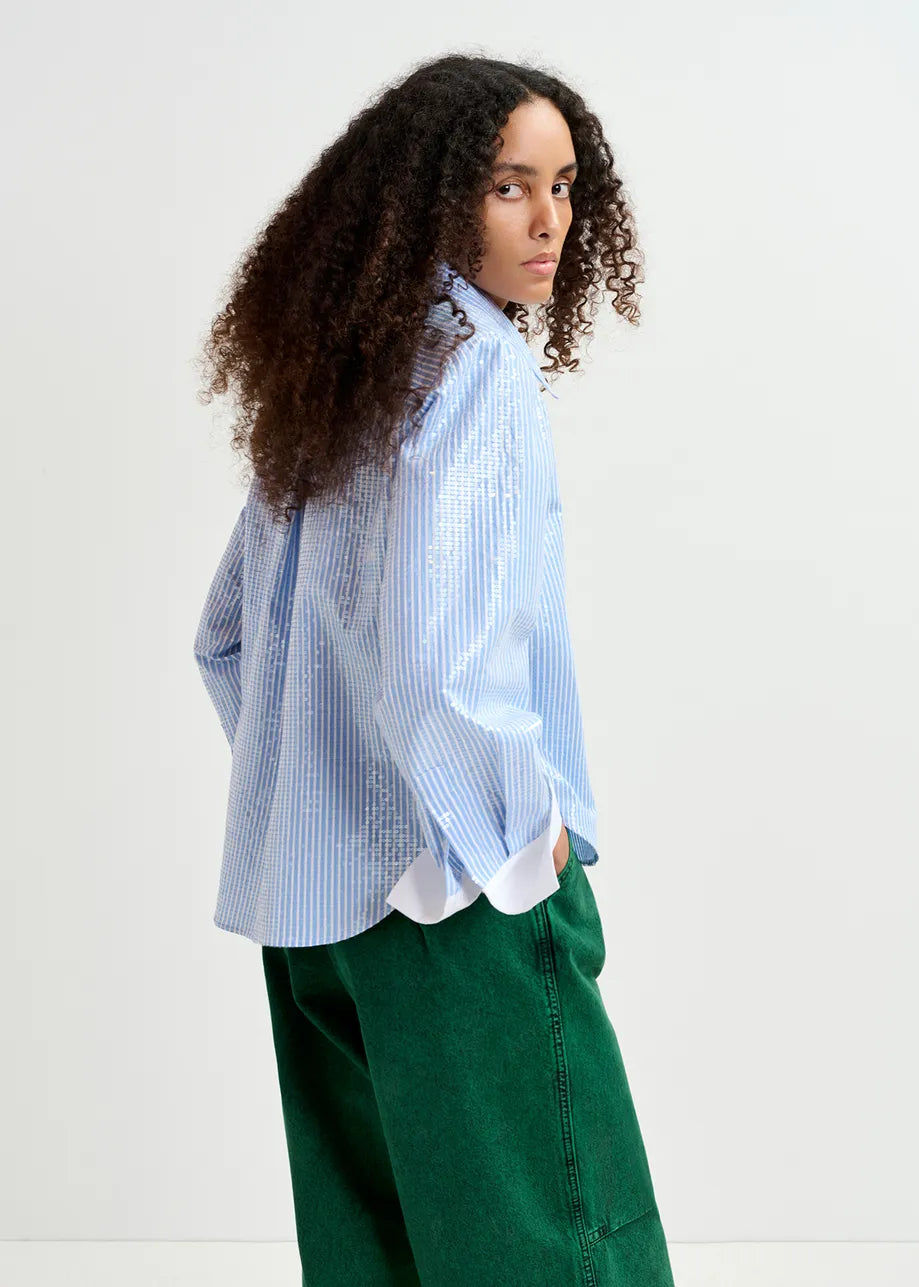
(476, 359)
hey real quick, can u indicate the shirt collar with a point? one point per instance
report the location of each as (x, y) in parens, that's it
(486, 313)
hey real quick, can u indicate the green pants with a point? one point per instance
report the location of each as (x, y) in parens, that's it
(456, 1109)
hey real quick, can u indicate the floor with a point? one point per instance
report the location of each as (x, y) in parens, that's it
(276, 1264)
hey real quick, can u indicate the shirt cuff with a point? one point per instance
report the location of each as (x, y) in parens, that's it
(524, 880)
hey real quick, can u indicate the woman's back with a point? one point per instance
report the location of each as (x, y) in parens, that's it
(393, 670)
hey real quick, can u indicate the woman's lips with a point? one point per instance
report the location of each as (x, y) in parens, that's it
(540, 267)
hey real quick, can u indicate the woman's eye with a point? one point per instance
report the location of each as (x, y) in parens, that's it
(562, 183)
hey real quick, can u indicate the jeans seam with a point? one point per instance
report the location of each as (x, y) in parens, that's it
(547, 951)
(604, 1231)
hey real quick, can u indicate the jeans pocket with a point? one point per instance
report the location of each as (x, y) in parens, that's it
(566, 870)
(572, 858)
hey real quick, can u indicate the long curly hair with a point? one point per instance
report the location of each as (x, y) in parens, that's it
(328, 307)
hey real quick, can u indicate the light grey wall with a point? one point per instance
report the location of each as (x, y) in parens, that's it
(739, 477)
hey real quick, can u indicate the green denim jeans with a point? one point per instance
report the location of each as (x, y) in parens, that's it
(455, 1104)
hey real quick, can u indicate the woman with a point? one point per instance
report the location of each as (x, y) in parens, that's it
(386, 643)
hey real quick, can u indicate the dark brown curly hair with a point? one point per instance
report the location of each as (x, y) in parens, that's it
(329, 305)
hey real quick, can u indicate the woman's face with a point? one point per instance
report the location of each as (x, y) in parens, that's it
(528, 210)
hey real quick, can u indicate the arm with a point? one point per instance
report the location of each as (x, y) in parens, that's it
(461, 590)
(218, 639)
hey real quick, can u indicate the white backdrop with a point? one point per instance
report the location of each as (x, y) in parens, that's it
(739, 477)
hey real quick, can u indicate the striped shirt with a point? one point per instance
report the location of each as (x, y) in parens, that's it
(393, 671)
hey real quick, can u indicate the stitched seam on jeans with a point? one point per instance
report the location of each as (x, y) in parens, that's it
(547, 950)
(616, 1227)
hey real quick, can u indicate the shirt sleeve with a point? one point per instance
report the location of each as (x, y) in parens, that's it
(218, 641)
(460, 596)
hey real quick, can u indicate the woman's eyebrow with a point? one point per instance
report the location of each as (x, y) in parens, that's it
(503, 166)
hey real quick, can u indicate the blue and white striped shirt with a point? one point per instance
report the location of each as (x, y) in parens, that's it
(394, 674)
